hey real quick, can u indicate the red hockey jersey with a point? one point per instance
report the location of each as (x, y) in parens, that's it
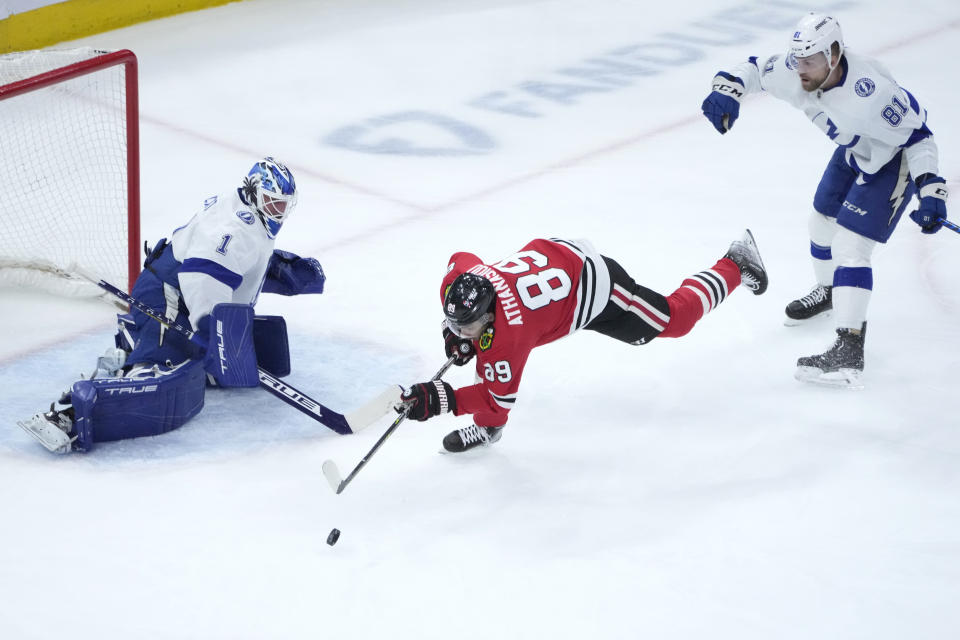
(545, 291)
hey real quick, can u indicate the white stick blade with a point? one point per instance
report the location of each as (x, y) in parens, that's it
(374, 409)
(332, 474)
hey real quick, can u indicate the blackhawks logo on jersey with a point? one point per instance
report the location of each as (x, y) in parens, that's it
(486, 339)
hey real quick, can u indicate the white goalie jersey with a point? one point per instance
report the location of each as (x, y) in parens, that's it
(224, 250)
(867, 113)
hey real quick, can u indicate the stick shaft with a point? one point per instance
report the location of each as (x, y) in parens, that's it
(387, 433)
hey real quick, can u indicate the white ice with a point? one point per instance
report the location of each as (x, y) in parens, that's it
(685, 489)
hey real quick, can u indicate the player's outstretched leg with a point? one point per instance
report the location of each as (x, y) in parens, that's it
(744, 252)
(818, 301)
(841, 365)
(469, 437)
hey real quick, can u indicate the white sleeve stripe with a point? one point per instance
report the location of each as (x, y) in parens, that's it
(588, 292)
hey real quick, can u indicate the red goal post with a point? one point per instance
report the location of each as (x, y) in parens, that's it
(70, 151)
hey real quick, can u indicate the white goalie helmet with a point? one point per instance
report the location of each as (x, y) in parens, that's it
(816, 33)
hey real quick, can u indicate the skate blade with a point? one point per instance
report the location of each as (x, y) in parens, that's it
(795, 322)
(53, 439)
(466, 454)
(842, 378)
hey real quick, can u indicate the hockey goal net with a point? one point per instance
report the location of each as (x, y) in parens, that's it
(69, 151)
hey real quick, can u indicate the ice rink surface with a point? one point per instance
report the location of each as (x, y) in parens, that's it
(684, 489)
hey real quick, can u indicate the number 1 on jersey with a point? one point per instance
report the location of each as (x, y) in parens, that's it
(224, 241)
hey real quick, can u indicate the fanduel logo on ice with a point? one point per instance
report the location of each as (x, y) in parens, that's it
(471, 131)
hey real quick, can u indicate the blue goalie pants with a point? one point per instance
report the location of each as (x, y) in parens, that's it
(144, 338)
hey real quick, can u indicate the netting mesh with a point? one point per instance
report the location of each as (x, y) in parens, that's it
(63, 172)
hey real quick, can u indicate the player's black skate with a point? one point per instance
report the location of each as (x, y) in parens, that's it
(52, 429)
(470, 437)
(744, 252)
(818, 301)
(841, 365)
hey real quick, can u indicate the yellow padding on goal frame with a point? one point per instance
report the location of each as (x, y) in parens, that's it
(79, 18)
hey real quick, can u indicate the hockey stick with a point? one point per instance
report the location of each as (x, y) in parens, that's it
(950, 225)
(332, 473)
(340, 423)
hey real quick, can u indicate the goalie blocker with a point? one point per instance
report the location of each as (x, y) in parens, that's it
(151, 399)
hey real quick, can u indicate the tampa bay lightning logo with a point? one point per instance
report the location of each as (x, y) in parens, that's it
(791, 62)
(864, 87)
(246, 216)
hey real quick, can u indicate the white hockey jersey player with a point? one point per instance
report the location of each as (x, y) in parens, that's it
(154, 381)
(885, 154)
(224, 251)
(867, 113)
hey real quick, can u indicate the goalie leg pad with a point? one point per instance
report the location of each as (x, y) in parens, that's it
(231, 358)
(271, 345)
(155, 401)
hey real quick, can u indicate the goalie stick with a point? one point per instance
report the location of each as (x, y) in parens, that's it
(329, 467)
(342, 424)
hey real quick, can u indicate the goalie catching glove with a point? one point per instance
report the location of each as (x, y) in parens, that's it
(290, 275)
(425, 400)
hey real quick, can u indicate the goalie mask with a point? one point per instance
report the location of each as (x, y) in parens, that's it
(269, 188)
(468, 305)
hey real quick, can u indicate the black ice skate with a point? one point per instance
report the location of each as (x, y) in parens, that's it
(840, 366)
(469, 437)
(52, 429)
(815, 303)
(744, 252)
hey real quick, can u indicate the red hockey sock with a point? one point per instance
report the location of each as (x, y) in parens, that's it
(698, 295)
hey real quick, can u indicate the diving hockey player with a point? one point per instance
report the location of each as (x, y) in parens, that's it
(550, 289)
(885, 153)
(208, 276)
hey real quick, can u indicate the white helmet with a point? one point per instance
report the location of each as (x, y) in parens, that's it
(816, 33)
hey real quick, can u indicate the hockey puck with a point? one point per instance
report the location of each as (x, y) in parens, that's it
(333, 537)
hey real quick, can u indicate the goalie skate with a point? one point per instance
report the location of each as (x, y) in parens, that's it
(51, 429)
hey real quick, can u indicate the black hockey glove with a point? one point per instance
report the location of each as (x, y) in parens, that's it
(459, 348)
(428, 399)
